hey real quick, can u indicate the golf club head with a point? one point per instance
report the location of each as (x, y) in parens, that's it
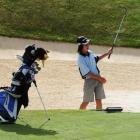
(124, 9)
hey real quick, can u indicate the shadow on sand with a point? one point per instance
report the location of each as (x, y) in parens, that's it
(26, 130)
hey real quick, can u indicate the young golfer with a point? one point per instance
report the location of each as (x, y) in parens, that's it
(93, 81)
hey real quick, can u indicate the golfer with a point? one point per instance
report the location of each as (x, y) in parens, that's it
(93, 81)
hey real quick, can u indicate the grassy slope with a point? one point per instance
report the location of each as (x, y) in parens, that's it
(64, 20)
(74, 125)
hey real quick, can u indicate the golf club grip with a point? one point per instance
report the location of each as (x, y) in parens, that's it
(112, 50)
(109, 56)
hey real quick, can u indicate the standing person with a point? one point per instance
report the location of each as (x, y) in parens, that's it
(93, 81)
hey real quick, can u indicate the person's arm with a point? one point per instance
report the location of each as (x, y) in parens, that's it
(106, 54)
(85, 71)
(97, 77)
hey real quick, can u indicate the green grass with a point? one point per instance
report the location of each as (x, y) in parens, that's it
(64, 20)
(74, 125)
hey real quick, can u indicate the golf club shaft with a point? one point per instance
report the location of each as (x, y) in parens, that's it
(42, 102)
(22, 120)
(120, 25)
(43, 123)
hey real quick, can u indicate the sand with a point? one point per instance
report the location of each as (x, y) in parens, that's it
(60, 83)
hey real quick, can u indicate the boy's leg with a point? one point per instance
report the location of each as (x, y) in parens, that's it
(84, 105)
(98, 104)
(99, 95)
(89, 86)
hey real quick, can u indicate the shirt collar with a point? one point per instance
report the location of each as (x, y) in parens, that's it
(88, 53)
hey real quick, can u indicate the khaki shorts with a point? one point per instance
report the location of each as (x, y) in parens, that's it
(93, 87)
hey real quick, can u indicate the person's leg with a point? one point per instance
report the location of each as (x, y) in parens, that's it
(98, 104)
(84, 105)
(99, 95)
(88, 93)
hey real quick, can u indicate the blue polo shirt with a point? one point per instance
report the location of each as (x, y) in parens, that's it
(88, 63)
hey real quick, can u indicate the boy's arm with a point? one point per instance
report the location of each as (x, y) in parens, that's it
(97, 77)
(106, 54)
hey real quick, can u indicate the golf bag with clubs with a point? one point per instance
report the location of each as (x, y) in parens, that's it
(13, 97)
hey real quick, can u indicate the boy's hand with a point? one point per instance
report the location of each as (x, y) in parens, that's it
(110, 51)
(102, 80)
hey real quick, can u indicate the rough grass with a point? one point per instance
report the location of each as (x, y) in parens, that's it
(74, 125)
(64, 20)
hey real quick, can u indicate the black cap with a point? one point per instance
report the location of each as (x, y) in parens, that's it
(83, 40)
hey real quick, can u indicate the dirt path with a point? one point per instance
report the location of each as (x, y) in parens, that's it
(60, 83)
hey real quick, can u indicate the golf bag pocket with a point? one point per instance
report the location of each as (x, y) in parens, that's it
(8, 106)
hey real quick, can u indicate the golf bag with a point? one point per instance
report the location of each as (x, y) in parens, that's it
(8, 107)
(13, 97)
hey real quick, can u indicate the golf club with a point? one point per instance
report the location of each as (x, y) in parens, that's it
(118, 31)
(22, 120)
(48, 118)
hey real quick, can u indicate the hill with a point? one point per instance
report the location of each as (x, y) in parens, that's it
(64, 20)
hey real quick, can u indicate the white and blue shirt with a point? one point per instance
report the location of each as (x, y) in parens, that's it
(88, 63)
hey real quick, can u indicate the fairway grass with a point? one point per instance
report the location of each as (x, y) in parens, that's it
(74, 125)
